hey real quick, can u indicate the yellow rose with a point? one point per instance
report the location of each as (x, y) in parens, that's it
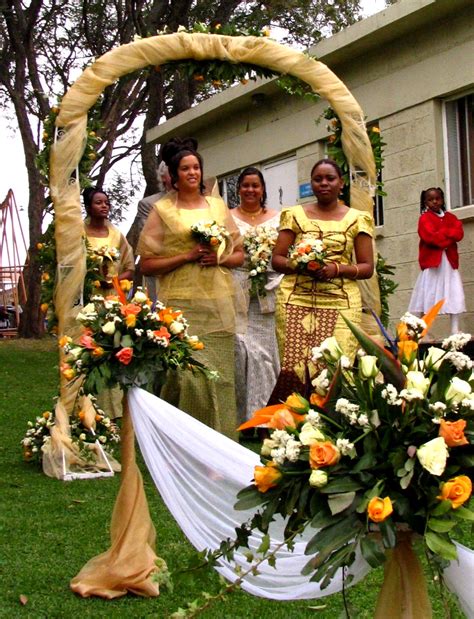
(44, 307)
(65, 339)
(45, 277)
(126, 285)
(407, 351)
(266, 477)
(131, 320)
(323, 453)
(375, 130)
(39, 245)
(98, 351)
(310, 435)
(457, 490)
(69, 374)
(46, 414)
(379, 509)
(296, 401)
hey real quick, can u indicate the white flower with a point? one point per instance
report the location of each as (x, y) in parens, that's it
(267, 446)
(176, 327)
(293, 450)
(434, 358)
(468, 403)
(279, 455)
(438, 408)
(411, 394)
(309, 434)
(345, 407)
(253, 273)
(82, 437)
(181, 29)
(321, 382)
(368, 367)
(103, 439)
(331, 349)
(433, 455)
(139, 332)
(415, 325)
(345, 362)
(139, 297)
(314, 418)
(457, 390)
(363, 420)
(344, 446)
(109, 328)
(318, 478)
(390, 394)
(459, 360)
(417, 380)
(456, 341)
(281, 437)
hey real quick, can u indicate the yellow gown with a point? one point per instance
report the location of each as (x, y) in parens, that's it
(309, 311)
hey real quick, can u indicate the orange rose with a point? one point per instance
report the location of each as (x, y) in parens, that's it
(266, 477)
(281, 419)
(378, 509)
(214, 241)
(296, 401)
(457, 490)
(69, 374)
(44, 307)
(453, 432)
(131, 320)
(323, 453)
(130, 309)
(197, 345)
(407, 351)
(87, 342)
(125, 355)
(162, 332)
(46, 414)
(98, 352)
(317, 400)
(313, 265)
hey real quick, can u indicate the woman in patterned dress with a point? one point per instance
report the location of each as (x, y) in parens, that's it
(256, 356)
(310, 305)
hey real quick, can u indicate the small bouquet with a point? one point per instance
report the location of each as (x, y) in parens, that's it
(37, 435)
(210, 233)
(385, 444)
(107, 253)
(258, 244)
(128, 342)
(308, 255)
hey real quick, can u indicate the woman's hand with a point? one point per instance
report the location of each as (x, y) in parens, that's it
(208, 258)
(326, 272)
(197, 252)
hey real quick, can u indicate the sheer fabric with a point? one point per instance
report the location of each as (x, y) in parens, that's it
(198, 473)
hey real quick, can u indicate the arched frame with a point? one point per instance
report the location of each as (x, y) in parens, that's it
(158, 50)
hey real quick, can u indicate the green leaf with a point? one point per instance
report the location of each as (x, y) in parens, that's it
(339, 502)
(265, 544)
(464, 513)
(342, 484)
(371, 551)
(389, 533)
(250, 499)
(367, 461)
(441, 545)
(442, 508)
(333, 536)
(441, 526)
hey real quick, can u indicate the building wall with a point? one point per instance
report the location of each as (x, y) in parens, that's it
(399, 65)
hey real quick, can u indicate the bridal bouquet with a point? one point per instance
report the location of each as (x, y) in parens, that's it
(210, 233)
(308, 255)
(384, 444)
(258, 244)
(129, 342)
(109, 253)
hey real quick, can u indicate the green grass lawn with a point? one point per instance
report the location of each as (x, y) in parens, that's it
(49, 528)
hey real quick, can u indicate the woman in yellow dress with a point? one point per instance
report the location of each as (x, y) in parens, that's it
(196, 279)
(310, 305)
(105, 240)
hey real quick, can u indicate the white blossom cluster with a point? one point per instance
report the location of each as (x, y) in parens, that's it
(351, 411)
(415, 325)
(409, 395)
(345, 446)
(314, 418)
(160, 340)
(390, 394)
(281, 446)
(459, 360)
(456, 341)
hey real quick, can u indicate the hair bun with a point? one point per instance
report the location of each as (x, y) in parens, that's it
(175, 145)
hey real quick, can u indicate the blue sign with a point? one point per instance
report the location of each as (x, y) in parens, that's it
(305, 190)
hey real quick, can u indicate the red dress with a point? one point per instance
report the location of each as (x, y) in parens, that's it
(439, 262)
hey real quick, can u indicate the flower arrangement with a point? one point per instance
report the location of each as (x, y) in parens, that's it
(308, 255)
(87, 427)
(258, 244)
(210, 233)
(382, 444)
(128, 342)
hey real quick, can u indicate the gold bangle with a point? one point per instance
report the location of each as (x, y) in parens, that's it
(336, 264)
(357, 271)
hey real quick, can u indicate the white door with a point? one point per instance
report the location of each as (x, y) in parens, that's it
(281, 179)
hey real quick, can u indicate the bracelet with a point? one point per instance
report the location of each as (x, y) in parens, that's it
(336, 264)
(357, 271)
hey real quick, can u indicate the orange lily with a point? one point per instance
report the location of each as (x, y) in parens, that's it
(119, 291)
(431, 315)
(263, 417)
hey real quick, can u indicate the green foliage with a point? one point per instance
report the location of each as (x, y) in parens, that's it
(387, 287)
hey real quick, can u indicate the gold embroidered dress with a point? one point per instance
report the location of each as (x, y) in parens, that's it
(207, 297)
(309, 311)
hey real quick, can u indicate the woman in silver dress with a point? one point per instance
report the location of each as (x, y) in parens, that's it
(257, 361)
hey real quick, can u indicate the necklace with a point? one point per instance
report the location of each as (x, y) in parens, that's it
(252, 214)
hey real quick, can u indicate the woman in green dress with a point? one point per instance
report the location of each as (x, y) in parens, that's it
(196, 279)
(310, 304)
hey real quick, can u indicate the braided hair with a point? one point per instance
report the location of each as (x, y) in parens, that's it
(423, 207)
(174, 150)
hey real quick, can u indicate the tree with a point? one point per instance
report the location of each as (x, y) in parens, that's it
(44, 44)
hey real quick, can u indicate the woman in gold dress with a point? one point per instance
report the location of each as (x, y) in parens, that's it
(197, 280)
(106, 240)
(310, 305)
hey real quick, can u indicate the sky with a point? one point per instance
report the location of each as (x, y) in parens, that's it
(12, 164)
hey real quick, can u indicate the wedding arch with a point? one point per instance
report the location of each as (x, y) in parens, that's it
(130, 561)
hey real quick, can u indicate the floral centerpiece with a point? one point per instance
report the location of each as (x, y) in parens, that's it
(384, 444)
(307, 255)
(128, 342)
(258, 244)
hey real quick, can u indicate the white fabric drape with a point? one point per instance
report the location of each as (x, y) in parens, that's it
(198, 473)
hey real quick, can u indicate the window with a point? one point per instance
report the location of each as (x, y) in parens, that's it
(228, 189)
(459, 139)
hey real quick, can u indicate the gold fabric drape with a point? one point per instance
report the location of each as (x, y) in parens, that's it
(65, 156)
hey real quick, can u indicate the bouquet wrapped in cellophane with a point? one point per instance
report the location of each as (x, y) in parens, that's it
(383, 444)
(308, 255)
(258, 244)
(128, 342)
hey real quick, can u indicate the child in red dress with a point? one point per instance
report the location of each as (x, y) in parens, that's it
(439, 233)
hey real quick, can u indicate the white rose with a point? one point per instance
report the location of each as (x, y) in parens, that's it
(89, 308)
(109, 328)
(331, 348)
(434, 358)
(433, 455)
(139, 297)
(267, 446)
(309, 434)
(417, 380)
(82, 437)
(318, 478)
(321, 382)
(176, 327)
(368, 367)
(458, 390)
